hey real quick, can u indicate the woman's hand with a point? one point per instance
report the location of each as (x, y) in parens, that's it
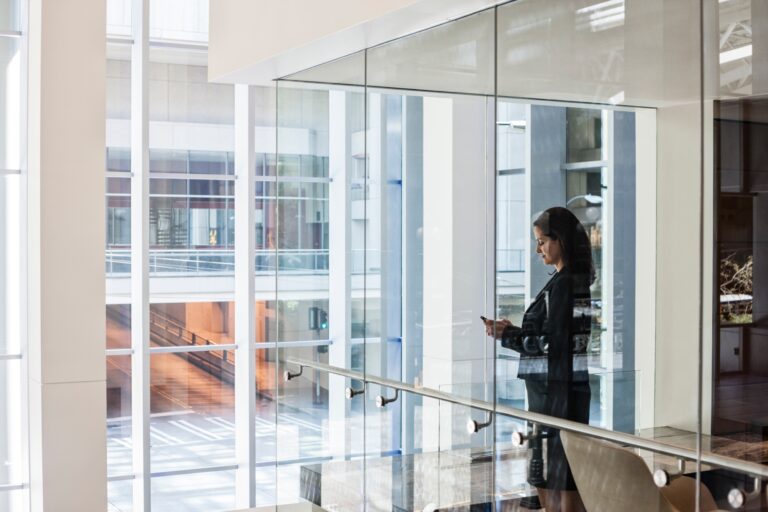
(496, 328)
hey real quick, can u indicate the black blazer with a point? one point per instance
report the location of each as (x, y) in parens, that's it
(552, 339)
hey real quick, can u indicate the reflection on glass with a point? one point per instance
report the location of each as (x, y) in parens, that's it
(454, 57)
(196, 492)
(191, 163)
(192, 407)
(119, 442)
(119, 18)
(426, 268)
(192, 324)
(11, 250)
(599, 52)
(10, 109)
(9, 15)
(740, 371)
(319, 438)
(120, 495)
(733, 74)
(560, 156)
(11, 470)
(438, 463)
(166, 24)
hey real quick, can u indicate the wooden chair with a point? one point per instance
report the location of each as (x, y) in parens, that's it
(612, 478)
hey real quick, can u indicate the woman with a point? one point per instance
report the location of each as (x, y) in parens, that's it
(552, 342)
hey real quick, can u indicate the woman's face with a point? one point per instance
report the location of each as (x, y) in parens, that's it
(550, 250)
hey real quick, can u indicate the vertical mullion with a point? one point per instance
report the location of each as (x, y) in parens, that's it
(245, 303)
(23, 255)
(140, 368)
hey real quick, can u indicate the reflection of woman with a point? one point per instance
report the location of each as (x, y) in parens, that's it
(552, 342)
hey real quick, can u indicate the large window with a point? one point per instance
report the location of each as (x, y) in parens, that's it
(13, 476)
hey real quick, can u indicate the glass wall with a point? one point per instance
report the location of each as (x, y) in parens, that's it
(479, 260)
(474, 130)
(13, 362)
(734, 90)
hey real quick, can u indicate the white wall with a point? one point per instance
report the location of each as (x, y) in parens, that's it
(254, 42)
(677, 263)
(645, 265)
(455, 348)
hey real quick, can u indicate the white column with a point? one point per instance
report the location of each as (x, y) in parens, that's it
(245, 303)
(65, 248)
(645, 277)
(676, 369)
(437, 201)
(339, 271)
(140, 368)
(454, 237)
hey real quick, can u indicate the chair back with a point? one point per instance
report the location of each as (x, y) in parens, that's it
(611, 478)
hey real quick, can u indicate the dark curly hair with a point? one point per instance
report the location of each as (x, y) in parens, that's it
(561, 224)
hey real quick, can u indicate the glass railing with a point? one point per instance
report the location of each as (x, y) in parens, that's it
(460, 447)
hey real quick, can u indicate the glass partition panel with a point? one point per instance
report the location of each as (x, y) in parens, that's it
(583, 158)
(11, 436)
(735, 375)
(13, 500)
(428, 239)
(192, 407)
(732, 489)
(119, 439)
(549, 178)
(612, 52)
(317, 434)
(120, 495)
(197, 492)
(597, 195)
(9, 15)
(443, 461)
(347, 70)
(315, 185)
(11, 108)
(454, 57)
(12, 199)
(191, 165)
(11, 283)
(167, 25)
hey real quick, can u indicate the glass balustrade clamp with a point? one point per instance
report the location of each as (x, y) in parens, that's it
(662, 477)
(473, 426)
(351, 392)
(737, 498)
(382, 401)
(287, 375)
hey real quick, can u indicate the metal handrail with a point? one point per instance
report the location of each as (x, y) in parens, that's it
(750, 468)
